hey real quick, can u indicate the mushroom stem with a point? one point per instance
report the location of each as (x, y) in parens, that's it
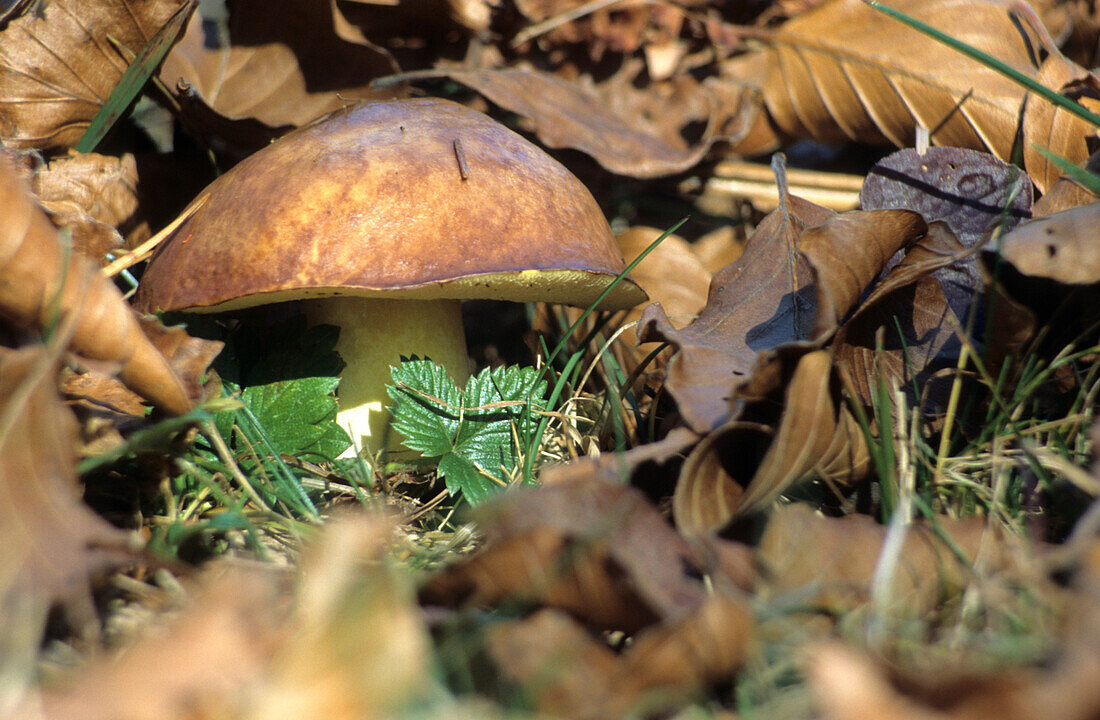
(375, 334)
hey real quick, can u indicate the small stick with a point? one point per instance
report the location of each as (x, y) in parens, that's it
(463, 169)
(146, 248)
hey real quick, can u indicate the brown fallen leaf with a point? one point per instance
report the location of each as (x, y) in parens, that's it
(53, 543)
(905, 330)
(568, 673)
(57, 66)
(597, 550)
(96, 191)
(567, 115)
(970, 191)
(42, 283)
(747, 463)
(281, 65)
(189, 358)
(843, 71)
(344, 642)
(1060, 247)
(801, 271)
(835, 558)
(1053, 128)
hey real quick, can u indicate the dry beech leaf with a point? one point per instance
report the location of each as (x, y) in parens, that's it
(197, 667)
(751, 307)
(568, 673)
(57, 66)
(40, 278)
(189, 357)
(567, 115)
(972, 193)
(1059, 247)
(801, 271)
(99, 191)
(345, 643)
(746, 464)
(836, 557)
(357, 645)
(849, 685)
(843, 71)
(1053, 128)
(597, 550)
(280, 64)
(53, 543)
(910, 299)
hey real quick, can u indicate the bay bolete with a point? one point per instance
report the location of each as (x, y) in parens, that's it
(384, 216)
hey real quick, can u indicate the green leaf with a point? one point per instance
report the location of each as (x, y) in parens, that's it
(472, 432)
(299, 416)
(134, 79)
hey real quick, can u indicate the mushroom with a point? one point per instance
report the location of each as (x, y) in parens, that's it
(384, 216)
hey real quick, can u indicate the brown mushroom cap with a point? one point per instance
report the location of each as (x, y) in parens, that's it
(371, 201)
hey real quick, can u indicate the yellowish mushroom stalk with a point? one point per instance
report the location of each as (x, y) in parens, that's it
(374, 335)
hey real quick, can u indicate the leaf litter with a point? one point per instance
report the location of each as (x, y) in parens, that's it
(859, 453)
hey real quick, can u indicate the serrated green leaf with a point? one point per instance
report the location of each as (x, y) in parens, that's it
(473, 431)
(429, 427)
(299, 416)
(463, 476)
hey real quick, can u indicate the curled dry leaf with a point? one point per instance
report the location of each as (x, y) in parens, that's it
(42, 283)
(57, 66)
(189, 357)
(281, 65)
(789, 286)
(843, 71)
(837, 557)
(1053, 128)
(597, 550)
(53, 543)
(568, 673)
(746, 464)
(1059, 247)
(93, 191)
(972, 193)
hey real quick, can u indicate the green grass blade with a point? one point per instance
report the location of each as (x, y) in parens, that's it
(134, 79)
(1088, 180)
(555, 393)
(152, 437)
(990, 62)
(614, 283)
